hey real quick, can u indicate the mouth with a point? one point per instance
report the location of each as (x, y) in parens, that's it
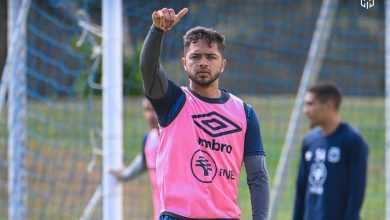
(203, 72)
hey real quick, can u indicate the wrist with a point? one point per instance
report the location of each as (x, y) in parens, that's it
(155, 28)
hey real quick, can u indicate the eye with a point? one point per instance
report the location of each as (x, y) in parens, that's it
(211, 57)
(195, 57)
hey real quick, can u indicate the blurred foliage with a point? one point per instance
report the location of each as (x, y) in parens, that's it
(132, 77)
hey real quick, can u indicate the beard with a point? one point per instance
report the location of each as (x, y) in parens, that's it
(202, 81)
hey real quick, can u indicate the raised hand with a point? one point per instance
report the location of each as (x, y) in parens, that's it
(166, 18)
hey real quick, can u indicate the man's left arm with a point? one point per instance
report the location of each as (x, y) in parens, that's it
(256, 168)
(258, 182)
(357, 163)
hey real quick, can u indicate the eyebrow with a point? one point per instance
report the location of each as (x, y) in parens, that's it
(197, 53)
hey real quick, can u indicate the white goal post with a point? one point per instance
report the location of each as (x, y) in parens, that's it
(14, 81)
(112, 108)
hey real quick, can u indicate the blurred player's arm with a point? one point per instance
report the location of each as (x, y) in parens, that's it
(136, 167)
(258, 182)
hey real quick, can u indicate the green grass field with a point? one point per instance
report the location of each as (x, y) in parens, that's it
(59, 140)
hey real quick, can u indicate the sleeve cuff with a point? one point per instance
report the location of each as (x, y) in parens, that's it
(156, 29)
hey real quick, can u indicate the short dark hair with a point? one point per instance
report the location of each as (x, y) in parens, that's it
(325, 91)
(208, 35)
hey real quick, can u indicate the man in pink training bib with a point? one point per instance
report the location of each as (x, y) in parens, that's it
(206, 132)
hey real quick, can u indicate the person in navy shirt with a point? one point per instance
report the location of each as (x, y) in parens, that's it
(332, 173)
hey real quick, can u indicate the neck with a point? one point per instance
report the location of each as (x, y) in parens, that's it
(211, 91)
(155, 127)
(331, 125)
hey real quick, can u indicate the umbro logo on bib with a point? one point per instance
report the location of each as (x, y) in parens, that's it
(215, 125)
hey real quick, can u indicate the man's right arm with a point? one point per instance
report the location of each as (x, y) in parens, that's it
(166, 97)
(155, 81)
(154, 77)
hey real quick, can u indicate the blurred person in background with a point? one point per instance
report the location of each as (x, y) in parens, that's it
(332, 172)
(146, 159)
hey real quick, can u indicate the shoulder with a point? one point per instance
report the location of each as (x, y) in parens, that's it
(251, 118)
(234, 97)
(352, 134)
(249, 111)
(168, 107)
(312, 136)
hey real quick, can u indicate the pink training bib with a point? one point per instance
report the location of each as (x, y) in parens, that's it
(200, 157)
(151, 147)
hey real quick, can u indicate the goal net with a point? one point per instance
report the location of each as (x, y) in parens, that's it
(268, 45)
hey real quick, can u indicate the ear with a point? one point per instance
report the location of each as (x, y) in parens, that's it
(183, 61)
(223, 65)
(330, 105)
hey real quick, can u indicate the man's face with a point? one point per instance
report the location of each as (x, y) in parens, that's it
(315, 110)
(203, 63)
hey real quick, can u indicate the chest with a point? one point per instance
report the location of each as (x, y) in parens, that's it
(328, 152)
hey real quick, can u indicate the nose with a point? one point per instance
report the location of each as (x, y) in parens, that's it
(203, 62)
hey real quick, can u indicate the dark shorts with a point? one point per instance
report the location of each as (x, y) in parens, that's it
(166, 217)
